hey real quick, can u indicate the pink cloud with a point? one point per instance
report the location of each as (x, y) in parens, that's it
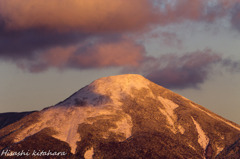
(123, 53)
(105, 15)
(59, 56)
(100, 55)
(81, 15)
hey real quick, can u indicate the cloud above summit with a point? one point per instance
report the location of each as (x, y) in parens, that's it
(188, 70)
(183, 71)
(99, 54)
(37, 35)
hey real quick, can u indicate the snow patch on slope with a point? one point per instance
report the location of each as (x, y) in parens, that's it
(169, 106)
(181, 129)
(124, 126)
(89, 154)
(65, 121)
(168, 111)
(203, 140)
(216, 117)
(219, 149)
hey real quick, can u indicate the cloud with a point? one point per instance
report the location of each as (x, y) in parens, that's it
(188, 10)
(171, 39)
(235, 16)
(30, 28)
(189, 70)
(82, 34)
(232, 66)
(121, 53)
(25, 44)
(106, 15)
(182, 71)
(81, 15)
(100, 54)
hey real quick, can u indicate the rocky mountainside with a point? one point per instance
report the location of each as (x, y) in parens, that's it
(230, 152)
(124, 116)
(9, 118)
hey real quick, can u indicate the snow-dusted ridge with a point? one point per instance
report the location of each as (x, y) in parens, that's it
(216, 117)
(117, 108)
(107, 90)
(66, 116)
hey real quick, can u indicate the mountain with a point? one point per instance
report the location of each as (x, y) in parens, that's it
(9, 118)
(230, 152)
(124, 116)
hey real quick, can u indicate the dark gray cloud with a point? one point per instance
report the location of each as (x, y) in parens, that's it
(25, 44)
(235, 16)
(183, 71)
(189, 70)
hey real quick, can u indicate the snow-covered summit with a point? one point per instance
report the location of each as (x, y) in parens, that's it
(106, 90)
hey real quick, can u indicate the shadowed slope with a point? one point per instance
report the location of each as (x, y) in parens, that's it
(9, 118)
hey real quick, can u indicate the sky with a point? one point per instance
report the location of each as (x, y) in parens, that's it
(51, 49)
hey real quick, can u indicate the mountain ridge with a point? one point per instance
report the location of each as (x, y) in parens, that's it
(120, 112)
(11, 117)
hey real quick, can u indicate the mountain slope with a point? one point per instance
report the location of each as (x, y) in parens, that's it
(125, 116)
(9, 118)
(232, 151)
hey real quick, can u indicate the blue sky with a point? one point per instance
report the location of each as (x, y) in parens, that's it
(49, 50)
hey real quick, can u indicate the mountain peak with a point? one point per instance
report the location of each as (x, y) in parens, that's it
(107, 89)
(122, 77)
(127, 113)
(125, 81)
